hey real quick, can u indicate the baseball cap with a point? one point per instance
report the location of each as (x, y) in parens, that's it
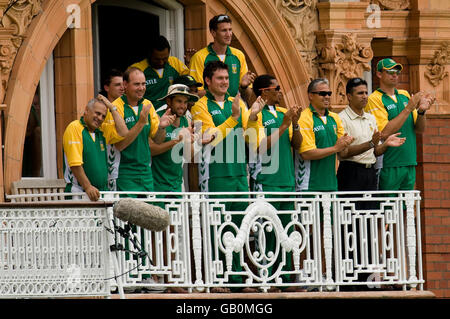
(186, 80)
(388, 64)
(180, 89)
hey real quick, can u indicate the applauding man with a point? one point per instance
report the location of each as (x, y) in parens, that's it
(84, 143)
(323, 138)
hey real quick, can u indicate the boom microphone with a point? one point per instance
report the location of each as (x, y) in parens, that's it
(141, 214)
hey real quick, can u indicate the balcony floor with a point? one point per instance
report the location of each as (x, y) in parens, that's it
(287, 295)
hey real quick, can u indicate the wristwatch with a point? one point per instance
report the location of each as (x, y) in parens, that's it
(371, 144)
(114, 108)
(421, 113)
(296, 127)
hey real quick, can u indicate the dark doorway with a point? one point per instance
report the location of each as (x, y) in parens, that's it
(123, 36)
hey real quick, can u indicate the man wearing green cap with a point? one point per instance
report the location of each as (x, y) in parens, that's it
(395, 111)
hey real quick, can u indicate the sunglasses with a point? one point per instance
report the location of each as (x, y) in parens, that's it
(223, 17)
(276, 88)
(323, 93)
(392, 71)
(356, 81)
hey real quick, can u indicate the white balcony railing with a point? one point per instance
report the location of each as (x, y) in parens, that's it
(321, 240)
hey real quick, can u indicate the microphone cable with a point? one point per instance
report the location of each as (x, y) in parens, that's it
(125, 234)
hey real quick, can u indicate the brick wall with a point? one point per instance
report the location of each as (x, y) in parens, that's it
(433, 179)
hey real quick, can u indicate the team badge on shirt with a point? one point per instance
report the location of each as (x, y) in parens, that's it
(234, 68)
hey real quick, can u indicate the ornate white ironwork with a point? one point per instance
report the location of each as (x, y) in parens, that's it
(46, 251)
(53, 252)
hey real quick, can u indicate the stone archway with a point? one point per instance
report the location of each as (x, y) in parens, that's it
(42, 36)
(260, 30)
(267, 43)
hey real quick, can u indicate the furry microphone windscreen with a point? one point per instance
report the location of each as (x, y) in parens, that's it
(141, 214)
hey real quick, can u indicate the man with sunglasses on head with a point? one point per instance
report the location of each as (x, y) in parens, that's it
(323, 138)
(220, 50)
(395, 111)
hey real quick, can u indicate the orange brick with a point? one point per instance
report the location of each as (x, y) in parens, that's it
(445, 203)
(427, 149)
(433, 185)
(444, 140)
(433, 239)
(432, 203)
(444, 131)
(434, 275)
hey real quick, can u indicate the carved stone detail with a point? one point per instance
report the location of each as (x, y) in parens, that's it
(342, 61)
(436, 72)
(8, 51)
(19, 16)
(302, 19)
(14, 24)
(393, 4)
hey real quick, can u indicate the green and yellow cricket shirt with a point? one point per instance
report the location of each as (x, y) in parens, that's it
(276, 167)
(135, 160)
(386, 108)
(317, 132)
(225, 155)
(86, 149)
(234, 58)
(167, 167)
(157, 84)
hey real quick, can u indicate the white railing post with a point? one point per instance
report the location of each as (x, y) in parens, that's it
(197, 239)
(411, 238)
(327, 239)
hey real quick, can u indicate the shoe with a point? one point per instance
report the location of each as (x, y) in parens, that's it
(176, 290)
(220, 290)
(274, 290)
(151, 281)
(249, 290)
(294, 289)
(132, 289)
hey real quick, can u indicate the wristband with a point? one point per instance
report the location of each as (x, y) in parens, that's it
(371, 144)
(297, 127)
(114, 108)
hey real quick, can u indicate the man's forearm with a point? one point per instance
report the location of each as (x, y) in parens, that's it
(420, 123)
(160, 135)
(297, 138)
(130, 137)
(121, 127)
(270, 140)
(80, 175)
(354, 150)
(246, 93)
(157, 149)
(394, 125)
(318, 153)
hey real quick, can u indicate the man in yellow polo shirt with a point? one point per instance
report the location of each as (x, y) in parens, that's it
(220, 50)
(84, 143)
(160, 70)
(130, 159)
(323, 137)
(395, 111)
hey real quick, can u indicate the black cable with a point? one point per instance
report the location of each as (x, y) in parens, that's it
(136, 244)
